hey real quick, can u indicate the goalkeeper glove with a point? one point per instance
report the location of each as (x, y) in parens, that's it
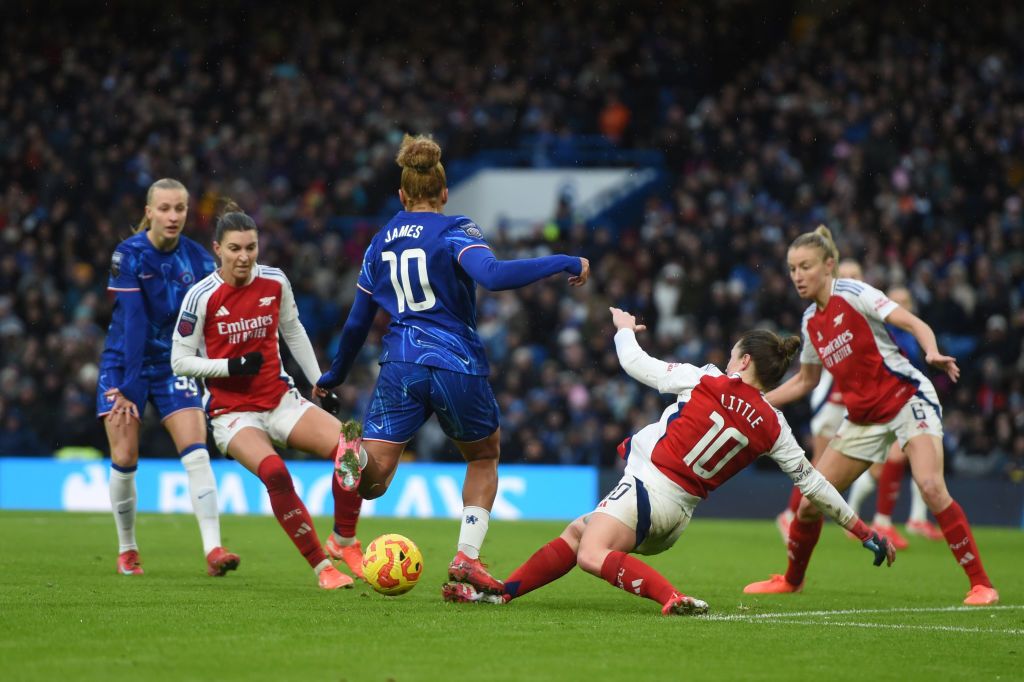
(330, 402)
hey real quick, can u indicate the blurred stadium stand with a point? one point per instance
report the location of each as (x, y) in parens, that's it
(901, 127)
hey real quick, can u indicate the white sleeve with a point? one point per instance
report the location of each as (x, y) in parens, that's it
(867, 300)
(815, 487)
(808, 355)
(188, 345)
(666, 377)
(294, 335)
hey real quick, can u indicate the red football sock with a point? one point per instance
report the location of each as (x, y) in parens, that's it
(889, 486)
(346, 509)
(291, 513)
(958, 534)
(803, 537)
(794, 499)
(632, 575)
(548, 564)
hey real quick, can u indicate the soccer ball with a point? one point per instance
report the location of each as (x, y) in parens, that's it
(392, 564)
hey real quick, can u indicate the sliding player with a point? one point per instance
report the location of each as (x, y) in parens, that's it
(719, 424)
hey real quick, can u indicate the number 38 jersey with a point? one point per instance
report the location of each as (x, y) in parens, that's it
(411, 269)
(718, 425)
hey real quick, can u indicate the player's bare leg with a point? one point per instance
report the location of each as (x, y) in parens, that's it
(188, 431)
(380, 460)
(123, 436)
(926, 455)
(478, 492)
(604, 552)
(253, 450)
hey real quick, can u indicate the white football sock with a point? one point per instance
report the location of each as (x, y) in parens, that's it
(473, 530)
(122, 503)
(341, 540)
(321, 566)
(859, 491)
(883, 520)
(202, 487)
(918, 509)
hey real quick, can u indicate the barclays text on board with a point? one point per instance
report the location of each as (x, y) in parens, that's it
(419, 489)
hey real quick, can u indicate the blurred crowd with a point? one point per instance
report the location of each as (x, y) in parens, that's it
(901, 129)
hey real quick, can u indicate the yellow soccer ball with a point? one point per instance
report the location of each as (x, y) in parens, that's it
(392, 564)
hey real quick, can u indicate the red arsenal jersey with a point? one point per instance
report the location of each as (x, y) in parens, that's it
(223, 321)
(849, 339)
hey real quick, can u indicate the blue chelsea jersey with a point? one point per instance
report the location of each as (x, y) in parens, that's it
(162, 278)
(411, 269)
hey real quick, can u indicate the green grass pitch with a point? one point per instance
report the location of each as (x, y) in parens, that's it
(66, 615)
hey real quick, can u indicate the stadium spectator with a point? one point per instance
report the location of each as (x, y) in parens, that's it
(719, 425)
(149, 275)
(761, 142)
(227, 334)
(886, 399)
(422, 269)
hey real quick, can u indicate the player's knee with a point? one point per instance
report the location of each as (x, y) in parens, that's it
(124, 456)
(573, 532)
(274, 474)
(933, 490)
(591, 558)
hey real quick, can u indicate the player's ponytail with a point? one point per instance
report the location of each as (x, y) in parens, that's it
(771, 354)
(820, 239)
(162, 183)
(231, 218)
(423, 176)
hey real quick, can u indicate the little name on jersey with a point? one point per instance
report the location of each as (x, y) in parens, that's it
(837, 350)
(246, 328)
(394, 233)
(742, 407)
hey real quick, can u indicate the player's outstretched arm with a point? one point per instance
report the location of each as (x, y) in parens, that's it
(497, 275)
(908, 321)
(816, 488)
(353, 335)
(796, 387)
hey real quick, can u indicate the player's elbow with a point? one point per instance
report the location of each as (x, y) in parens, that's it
(179, 365)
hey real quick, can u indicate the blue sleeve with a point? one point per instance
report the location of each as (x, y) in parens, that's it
(365, 281)
(353, 334)
(135, 326)
(496, 275)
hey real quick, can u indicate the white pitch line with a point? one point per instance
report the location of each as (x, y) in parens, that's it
(895, 626)
(860, 612)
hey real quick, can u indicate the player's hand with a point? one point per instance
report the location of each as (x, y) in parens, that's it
(328, 400)
(246, 366)
(623, 320)
(325, 383)
(123, 410)
(881, 548)
(944, 362)
(581, 279)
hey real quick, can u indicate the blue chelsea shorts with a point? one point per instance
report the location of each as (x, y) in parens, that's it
(168, 393)
(407, 394)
